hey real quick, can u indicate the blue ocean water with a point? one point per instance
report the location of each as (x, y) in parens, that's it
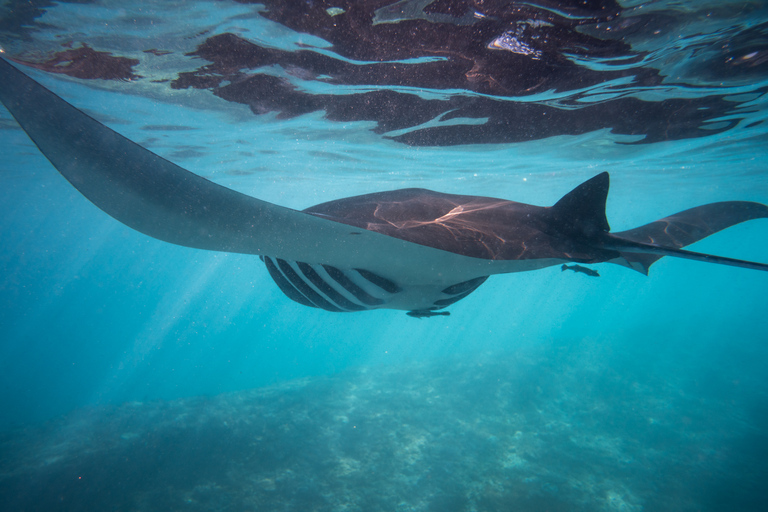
(172, 378)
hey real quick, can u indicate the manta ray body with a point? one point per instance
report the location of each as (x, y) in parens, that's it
(412, 249)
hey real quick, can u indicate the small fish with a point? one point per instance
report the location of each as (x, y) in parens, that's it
(425, 313)
(579, 268)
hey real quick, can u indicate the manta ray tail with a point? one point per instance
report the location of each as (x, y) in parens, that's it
(643, 246)
(581, 213)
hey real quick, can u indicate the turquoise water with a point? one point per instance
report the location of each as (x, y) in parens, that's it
(122, 355)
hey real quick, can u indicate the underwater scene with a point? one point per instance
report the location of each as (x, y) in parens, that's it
(379, 255)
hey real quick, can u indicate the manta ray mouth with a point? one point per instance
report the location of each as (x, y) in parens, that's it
(347, 290)
(329, 288)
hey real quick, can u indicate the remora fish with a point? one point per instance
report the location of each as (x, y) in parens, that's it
(579, 268)
(411, 249)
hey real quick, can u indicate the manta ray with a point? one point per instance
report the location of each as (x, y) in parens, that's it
(412, 249)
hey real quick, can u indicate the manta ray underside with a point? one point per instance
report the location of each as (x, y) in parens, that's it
(412, 249)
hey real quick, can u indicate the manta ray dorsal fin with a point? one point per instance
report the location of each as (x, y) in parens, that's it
(582, 210)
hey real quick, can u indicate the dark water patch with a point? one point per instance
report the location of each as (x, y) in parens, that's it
(158, 53)
(167, 127)
(396, 109)
(334, 156)
(85, 62)
(21, 17)
(150, 142)
(239, 172)
(190, 152)
(411, 66)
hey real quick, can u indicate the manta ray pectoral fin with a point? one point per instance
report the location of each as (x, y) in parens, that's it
(643, 246)
(162, 200)
(133, 185)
